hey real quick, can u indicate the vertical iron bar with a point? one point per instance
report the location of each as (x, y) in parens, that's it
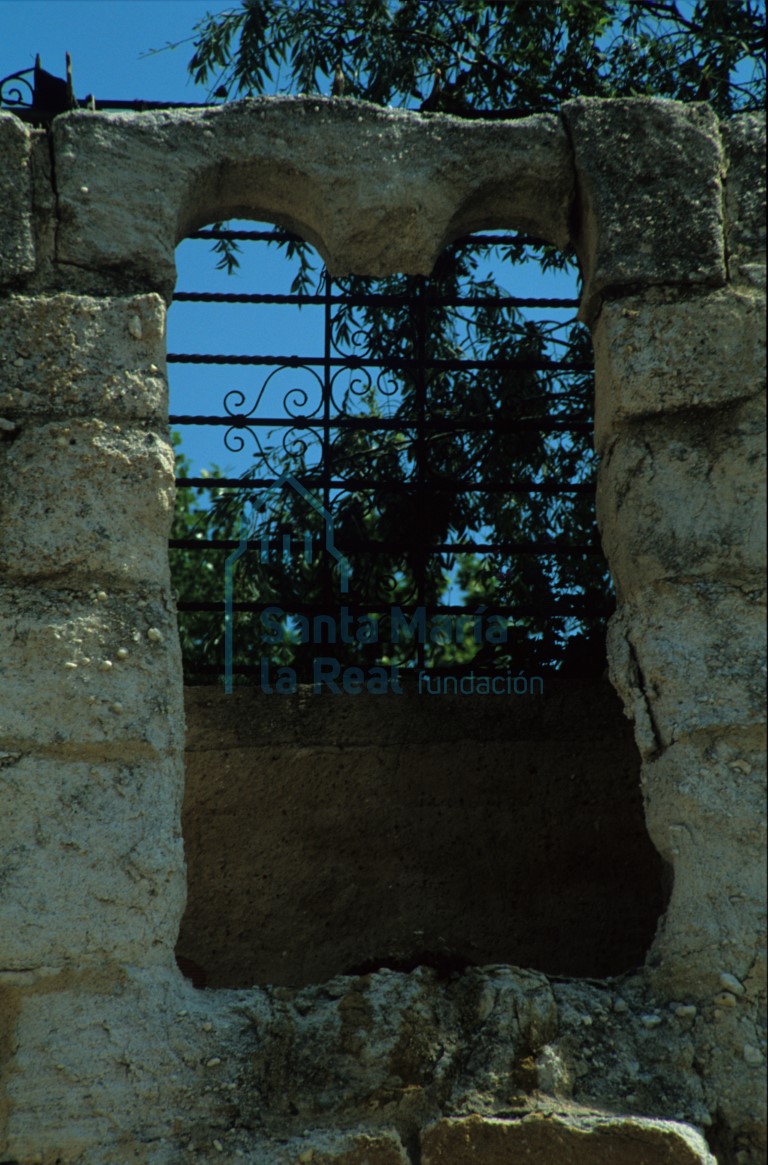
(420, 550)
(326, 443)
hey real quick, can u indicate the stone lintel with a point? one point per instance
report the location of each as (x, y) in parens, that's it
(378, 191)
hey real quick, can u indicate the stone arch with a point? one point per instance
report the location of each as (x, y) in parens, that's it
(306, 164)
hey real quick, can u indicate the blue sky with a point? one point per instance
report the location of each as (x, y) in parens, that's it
(108, 41)
(111, 43)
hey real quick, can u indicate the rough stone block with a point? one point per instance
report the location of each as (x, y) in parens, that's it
(17, 246)
(657, 354)
(90, 674)
(744, 141)
(645, 166)
(382, 1148)
(686, 658)
(685, 499)
(131, 186)
(705, 807)
(96, 1052)
(86, 502)
(400, 1040)
(542, 1139)
(92, 866)
(69, 356)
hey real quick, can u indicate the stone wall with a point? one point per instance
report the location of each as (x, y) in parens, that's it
(109, 1053)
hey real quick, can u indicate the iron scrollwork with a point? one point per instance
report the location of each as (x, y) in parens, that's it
(17, 90)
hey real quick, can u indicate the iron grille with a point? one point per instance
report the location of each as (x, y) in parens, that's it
(392, 424)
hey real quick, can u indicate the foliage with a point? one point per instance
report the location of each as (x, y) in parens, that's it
(520, 55)
(474, 59)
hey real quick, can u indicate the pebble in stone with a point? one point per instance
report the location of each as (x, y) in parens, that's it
(752, 1054)
(731, 983)
(725, 999)
(685, 1011)
(650, 1020)
(154, 636)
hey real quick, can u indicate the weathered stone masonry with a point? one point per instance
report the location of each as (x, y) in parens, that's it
(108, 1054)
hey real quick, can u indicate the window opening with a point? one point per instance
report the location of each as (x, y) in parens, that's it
(456, 463)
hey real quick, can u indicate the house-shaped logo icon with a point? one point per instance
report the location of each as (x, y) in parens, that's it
(288, 544)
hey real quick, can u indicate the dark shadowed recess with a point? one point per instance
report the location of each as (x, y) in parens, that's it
(334, 835)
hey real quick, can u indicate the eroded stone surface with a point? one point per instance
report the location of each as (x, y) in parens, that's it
(744, 141)
(667, 681)
(394, 1042)
(117, 823)
(130, 187)
(17, 248)
(390, 1051)
(704, 804)
(84, 501)
(657, 353)
(683, 499)
(354, 1149)
(109, 685)
(53, 361)
(644, 167)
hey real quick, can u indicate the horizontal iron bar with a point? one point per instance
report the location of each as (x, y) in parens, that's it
(138, 104)
(366, 362)
(362, 484)
(546, 547)
(369, 300)
(561, 610)
(41, 114)
(287, 236)
(247, 670)
(386, 424)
